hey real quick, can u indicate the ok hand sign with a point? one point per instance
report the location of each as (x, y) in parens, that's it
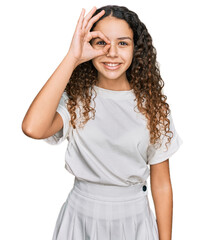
(80, 48)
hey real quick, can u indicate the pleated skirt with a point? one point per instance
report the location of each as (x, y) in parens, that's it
(95, 211)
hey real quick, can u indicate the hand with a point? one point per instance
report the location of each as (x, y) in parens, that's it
(80, 48)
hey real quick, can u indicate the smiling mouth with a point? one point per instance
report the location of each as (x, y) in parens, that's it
(111, 66)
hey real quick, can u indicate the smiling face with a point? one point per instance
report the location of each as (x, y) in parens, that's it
(113, 65)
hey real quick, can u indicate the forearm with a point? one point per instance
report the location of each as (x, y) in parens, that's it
(163, 201)
(41, 112)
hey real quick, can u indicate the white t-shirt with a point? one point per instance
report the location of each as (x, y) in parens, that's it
(113, 148)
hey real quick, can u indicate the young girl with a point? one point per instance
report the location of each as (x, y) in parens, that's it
(106, 99)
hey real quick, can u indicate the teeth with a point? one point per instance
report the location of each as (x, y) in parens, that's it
(112, 64)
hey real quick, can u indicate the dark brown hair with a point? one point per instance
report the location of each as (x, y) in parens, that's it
(143, 76)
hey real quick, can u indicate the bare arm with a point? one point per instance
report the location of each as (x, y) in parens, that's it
(41, 119)
(42, 110)
(163, 198)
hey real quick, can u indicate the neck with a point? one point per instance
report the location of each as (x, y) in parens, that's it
(114, 84)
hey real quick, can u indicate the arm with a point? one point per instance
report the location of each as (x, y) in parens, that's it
(41, 119)
(42, 111)
(163, 198)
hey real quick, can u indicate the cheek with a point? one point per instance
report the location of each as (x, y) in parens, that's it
(128, 56)
(95, 62)
(97, 47)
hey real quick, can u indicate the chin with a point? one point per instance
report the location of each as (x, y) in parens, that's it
(111, 76)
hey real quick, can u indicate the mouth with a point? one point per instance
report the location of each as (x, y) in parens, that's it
(111, 65)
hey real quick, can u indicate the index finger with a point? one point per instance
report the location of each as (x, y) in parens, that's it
(95, 34)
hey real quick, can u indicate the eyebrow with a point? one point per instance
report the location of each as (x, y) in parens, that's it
(121, 38)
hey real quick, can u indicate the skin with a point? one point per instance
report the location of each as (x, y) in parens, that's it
(161, 188)
(162, 194)
(42, 120)
(121, 50)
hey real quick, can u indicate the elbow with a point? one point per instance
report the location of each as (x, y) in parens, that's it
(28, 131)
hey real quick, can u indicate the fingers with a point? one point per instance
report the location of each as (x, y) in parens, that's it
(83, 21)
(96, 34)
(94, 19)
(88, 16)
(80, 20)
(103, 51)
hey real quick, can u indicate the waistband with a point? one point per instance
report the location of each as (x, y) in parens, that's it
(110, 192)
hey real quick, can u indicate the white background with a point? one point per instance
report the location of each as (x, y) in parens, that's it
(35, 36)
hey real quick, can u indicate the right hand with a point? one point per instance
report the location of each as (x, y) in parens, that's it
(80, 48)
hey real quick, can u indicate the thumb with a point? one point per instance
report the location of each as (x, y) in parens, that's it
(103, 51)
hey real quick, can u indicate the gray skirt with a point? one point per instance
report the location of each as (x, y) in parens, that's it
(95, 211)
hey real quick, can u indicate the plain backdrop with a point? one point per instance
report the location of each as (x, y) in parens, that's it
(35, 36)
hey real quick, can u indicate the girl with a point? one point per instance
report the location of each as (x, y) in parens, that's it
(106, 99)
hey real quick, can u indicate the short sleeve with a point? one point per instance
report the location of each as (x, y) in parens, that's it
(62, 134)
(161, 154)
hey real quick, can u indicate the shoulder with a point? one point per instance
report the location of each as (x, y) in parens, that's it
(65, 95)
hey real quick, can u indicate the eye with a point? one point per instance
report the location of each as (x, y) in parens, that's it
(101, 42)
(124, 43)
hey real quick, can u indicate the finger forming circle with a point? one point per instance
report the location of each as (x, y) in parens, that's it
(96, 34)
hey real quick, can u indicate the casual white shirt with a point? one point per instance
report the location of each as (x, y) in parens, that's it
(113, 148)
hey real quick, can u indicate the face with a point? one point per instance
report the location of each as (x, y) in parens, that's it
(120, 52)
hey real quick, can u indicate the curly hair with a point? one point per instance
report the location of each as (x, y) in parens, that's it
(143, 76)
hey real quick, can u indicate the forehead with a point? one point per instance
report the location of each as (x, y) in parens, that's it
(113, 27)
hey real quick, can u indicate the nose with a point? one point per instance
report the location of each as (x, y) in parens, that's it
(112, 51)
